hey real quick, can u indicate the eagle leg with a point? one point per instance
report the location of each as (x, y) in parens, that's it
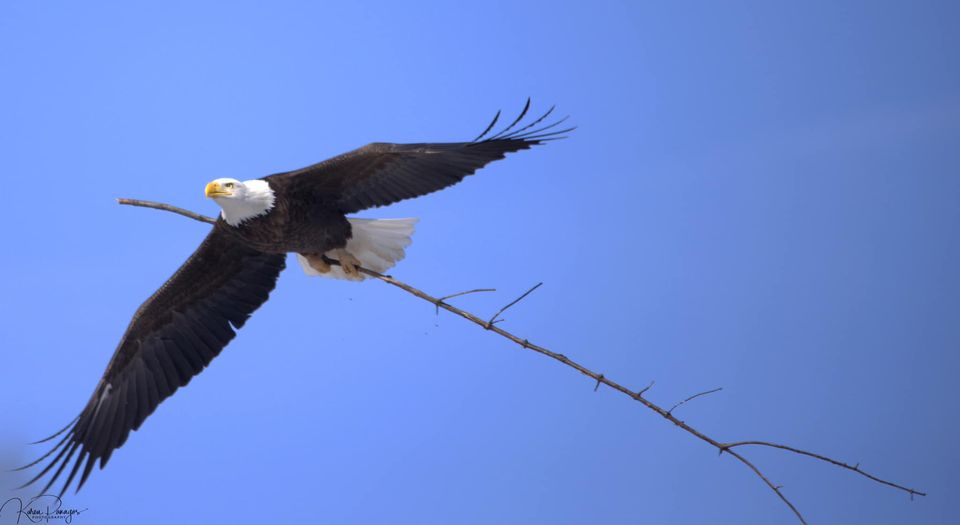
(316, 262)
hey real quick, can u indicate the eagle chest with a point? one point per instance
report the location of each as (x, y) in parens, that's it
(288, 228)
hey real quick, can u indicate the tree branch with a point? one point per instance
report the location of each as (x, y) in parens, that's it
(598, 378)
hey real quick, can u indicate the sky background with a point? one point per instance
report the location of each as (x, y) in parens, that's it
(763, 196)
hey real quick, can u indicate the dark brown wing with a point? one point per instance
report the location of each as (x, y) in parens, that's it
(172, 337)
(380, 173)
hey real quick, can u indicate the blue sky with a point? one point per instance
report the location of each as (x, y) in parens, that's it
(762, 196)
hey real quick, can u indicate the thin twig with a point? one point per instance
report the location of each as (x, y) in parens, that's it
(458, 294)
(167, 207)
(493, 320)
(855, 468)
(691, 398)
(599, 378)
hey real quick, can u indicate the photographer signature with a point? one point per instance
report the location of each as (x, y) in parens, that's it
(39, 509)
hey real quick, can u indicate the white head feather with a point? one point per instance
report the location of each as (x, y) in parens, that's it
(241, 201)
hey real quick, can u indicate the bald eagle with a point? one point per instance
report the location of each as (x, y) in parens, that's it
(191, 318)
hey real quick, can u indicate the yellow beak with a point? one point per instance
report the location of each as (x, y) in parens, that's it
(215, 190)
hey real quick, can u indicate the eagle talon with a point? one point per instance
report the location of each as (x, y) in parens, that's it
(348, 263)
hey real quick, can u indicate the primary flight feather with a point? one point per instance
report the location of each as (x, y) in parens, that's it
(195, 314)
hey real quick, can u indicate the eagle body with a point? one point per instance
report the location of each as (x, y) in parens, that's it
(297, 223)
(186, 323)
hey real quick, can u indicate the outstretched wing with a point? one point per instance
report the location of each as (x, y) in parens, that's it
(172, 337)
(380, 173)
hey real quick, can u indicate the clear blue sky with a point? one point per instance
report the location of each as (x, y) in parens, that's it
(762, 196)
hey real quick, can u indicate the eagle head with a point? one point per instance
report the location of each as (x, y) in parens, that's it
(225, 189)
(240, 201)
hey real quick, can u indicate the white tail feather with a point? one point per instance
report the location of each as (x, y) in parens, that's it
(377, 243)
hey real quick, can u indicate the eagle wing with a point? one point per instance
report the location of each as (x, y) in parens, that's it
(379, 174)
(172, 337)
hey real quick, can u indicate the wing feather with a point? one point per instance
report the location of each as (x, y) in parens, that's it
(379, 174)
(173, 336)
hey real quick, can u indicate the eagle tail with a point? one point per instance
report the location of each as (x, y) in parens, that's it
(377, 243)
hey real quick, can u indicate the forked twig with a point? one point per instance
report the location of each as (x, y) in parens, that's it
(599, 378)
(855, 468)
(493, 320)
